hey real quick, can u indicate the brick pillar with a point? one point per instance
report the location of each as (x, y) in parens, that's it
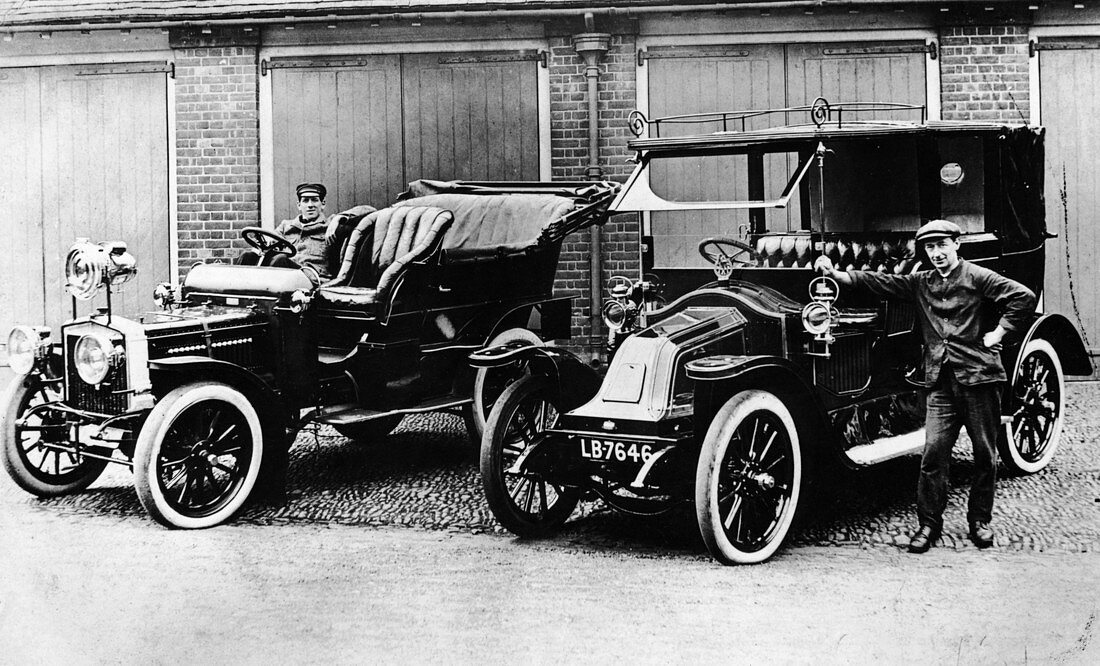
(984, 73)
(217, 141)
(569, 160)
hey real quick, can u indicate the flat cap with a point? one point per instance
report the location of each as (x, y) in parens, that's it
(938, 229)
(311, 188)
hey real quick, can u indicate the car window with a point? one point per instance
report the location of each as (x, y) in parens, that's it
(962, 182)
(870, 186)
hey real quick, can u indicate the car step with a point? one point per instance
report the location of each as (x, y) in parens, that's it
(349, 414)
(886, 448)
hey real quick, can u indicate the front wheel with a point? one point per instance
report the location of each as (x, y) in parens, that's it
(198, 455)
(524, 503)
(29, 457)
(1038, 409)
(748, 480)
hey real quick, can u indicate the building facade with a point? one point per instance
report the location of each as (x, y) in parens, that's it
(172, 125)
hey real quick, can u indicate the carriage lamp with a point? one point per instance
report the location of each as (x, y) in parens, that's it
(617, 314)
(95, 355)
(27, 346)
(91, 266)
(819, 315)
(164, 296)
(299, 301)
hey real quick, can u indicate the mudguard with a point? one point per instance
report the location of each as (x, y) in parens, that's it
(271, 483)
(719, 377)
(1066, 340)
(576, 381)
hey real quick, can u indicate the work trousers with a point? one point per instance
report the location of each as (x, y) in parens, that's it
(952, 405)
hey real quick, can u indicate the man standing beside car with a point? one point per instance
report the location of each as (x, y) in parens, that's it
(962, 365)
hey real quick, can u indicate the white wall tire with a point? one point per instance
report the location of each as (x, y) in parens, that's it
(749, 478)
(489, 383)
(198, 455)
(37, 469)
(1038, 387)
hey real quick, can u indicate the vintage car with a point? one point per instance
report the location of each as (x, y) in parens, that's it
(202, 398)
(740, 389)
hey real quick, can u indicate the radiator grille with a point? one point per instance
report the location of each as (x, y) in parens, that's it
(108, 398)
(849, 366)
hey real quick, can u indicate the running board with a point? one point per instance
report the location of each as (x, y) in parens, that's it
(887, 448)
(347, 414)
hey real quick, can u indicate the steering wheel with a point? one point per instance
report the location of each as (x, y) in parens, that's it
(725, 254)
(267, 242)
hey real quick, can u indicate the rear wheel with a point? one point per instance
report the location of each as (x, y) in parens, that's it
(489, 383)
(524, 503)
(30, 461)
(749, 478)
(1038, 408)
(198, 455)
(371, 431)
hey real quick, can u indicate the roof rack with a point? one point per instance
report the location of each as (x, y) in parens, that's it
(820, 113)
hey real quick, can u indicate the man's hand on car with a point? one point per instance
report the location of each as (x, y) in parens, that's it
(824, 265)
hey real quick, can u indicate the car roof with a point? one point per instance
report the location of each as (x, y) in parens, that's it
(853, 129)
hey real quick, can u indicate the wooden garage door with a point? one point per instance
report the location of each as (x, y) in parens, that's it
(366, 127)
(84, 153)
(1069, 98)
(756, 77)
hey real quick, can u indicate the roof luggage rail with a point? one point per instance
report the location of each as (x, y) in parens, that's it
(820, 112)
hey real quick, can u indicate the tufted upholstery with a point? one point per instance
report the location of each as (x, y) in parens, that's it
(848, 252)
(380, 247)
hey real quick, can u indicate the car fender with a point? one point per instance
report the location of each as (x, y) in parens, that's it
(576, 381)
(1066, 340)
(184, 368)
(718, 378)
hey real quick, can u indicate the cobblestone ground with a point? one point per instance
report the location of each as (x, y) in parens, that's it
(424, 476)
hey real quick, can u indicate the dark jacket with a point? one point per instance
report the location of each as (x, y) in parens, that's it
(955, 313)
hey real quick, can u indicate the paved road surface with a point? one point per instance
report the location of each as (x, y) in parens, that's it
(118, 590)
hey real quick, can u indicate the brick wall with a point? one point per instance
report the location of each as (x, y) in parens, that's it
(569, 158)
(984, 73)
(217, 142)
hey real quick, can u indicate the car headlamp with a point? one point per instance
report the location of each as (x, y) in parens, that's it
(26, 346)
(89, 266)
(95, 356)
(615, 315)
(816, 318)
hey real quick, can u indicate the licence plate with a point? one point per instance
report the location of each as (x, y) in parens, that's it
(615, 450)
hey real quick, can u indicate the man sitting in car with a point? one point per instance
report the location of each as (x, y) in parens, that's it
(318, 243)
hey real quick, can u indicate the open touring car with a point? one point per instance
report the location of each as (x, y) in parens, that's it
(202, 398)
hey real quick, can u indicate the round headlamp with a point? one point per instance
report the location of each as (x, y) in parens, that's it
(94, 356)
(84, 269)
(615, 315)
(26, 346)
(89, 266)
(816, 318)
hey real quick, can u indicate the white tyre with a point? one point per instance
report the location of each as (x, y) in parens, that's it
(1038, 409)
(198, 455)
(749, 478)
